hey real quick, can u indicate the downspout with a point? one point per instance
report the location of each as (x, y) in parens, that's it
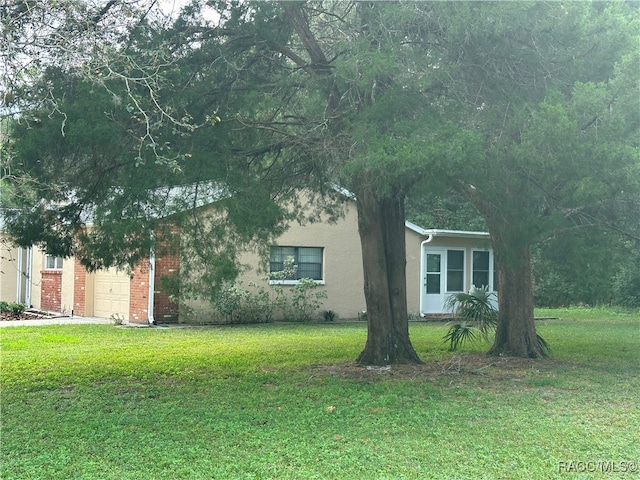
(423, 272)
(29, 272)
(19, 276)
(23, 279)
(152, 278)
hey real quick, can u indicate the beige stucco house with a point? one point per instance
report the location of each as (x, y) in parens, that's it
(439, 262)
(30, 277)
(63, 286)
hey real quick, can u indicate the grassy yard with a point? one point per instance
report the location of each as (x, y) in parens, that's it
(285, 401)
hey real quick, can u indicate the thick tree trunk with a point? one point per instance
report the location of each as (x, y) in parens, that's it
(516, 332)
(381, 227)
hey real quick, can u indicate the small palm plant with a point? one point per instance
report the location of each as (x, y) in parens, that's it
(474, 315)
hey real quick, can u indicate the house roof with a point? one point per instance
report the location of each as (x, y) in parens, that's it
(418, 229)
(179, 198)
(445, 233)
(457, 233)
(182, 197)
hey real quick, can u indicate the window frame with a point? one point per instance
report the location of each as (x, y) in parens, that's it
(58, 262)
(492, 272)
(463, 271)
(296, 281)
(430, 275)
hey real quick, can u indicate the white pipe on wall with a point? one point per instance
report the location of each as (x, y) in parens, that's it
(152, 278)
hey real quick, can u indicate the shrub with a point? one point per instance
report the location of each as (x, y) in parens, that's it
(4, 307)
(256, 304)
(474, 314)
(301, 302)
(17, 308)
(626, 284)
(305, 300)
(117, 319)
(329, 315)
(235, 304)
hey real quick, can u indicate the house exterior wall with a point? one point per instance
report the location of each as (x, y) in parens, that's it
(413, 241)
(68, 270)
(343, 278)
(8, 271)
(434, 302)
(468, 244)
(73, 290)
(166, 267)
(164, 310)
(122, 294)
(49, 289)
(115, 292)
(139, 293)
(18, 283)
(79, 289)
(56, 286)
(36, 278)
(51, 296)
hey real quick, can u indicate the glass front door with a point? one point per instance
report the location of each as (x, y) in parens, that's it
(433, 283)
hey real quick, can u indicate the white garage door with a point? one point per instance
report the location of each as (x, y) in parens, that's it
(111, 294)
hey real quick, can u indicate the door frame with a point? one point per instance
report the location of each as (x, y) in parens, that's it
(428, 301)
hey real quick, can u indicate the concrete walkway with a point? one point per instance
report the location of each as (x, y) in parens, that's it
(56, 321)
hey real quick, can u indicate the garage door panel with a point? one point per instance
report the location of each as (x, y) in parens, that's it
(111, 294)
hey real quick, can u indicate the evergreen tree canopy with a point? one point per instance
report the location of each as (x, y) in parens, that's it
(526, 109)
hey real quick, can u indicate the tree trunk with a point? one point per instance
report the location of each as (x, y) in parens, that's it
(381, 228)
(516, 332)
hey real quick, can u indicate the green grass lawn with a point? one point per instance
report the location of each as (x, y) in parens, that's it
(285, 401)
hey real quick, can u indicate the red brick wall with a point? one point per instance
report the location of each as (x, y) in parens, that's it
(164, 310)
(51, 292)
(139, 293)
(166, 264)
(79, 289)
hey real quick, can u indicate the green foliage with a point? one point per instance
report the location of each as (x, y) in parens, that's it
(586, 267)
(474, 313)
(300, 302)
(17, 308)
(235, 304)
(526, 108)
(555, 149)
(306, 300)
(626, 283)
(448, 211)
(459, 334)
(543, 345)
(4, 307)
(13, 308)
(576, 268)
(329, 316)
(112, 148)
